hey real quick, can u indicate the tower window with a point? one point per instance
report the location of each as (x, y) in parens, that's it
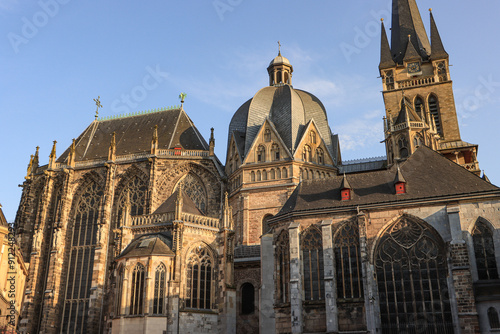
(434, 111)
(403, 148)
(441, 70)
(419, 107)
(389, 80)
(278, 77)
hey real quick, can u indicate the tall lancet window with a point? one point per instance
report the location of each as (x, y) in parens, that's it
(484, 250)
(311, 246)
(159, 289)
(119, 290)
(412, 279)
(348, 262)
(135, 193)
(81, 260)
(434, 111)
(199, 279)
(137, 289)
(283, 267)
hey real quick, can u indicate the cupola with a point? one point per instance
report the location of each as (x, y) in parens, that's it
(280, 71)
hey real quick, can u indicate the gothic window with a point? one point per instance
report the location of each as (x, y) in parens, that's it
(287, 78)
(493, 318)
(484, 250)
(273, 174)
(199, 279)
(417, 140)
(81, 260)
(159, 289)
(193, 186)
(119, 291)
(419, 107)
(434, 111)
(278, 77)
(278, 173)
(412, 271)
(321, 156)
(283, 267)
(348, 262)
(137, 289)
(261, 154)
(311, 245)
(441, 70)
(264, 175)
(252, 176)
(135, 194)
(306, 153)
(267, 135)
(389, 80)
(259, 176)
(312, 137)
(275, 152)
(403, 147)
(285, 173)
(247, 298)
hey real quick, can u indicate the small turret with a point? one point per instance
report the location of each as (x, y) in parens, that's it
(212, 143)
(52, 156)
(280, 70)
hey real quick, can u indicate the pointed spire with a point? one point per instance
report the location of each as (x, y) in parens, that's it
(399, 177)
(112, 148)
(406, 20)
(212, 143)
(36, 157)
(52, 156)
(345, 183)
(411, 53)
(29, 170)
(386, 60)
(72, 154)
(400, 182)
(485, 177)
(437, 48)
(154, 141)
(227, 214)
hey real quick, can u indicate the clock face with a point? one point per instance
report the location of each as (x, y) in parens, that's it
(414, 68)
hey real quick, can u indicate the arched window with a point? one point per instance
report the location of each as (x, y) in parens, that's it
(284, 174)
(493, 318)
(419, 107)
(278, 77)
(311, 246)
(283, 267)
(247, 298)
(264, 175)
(321, 156)
(267, 135)
(403, 147)
(199, 279)
(193, 186)
(287, 78)
(348, 262)
(119, 290)
(441, 70)
(275, 152)
(484, 250)
(389, 80)
(81, 259)
(312, 137)
(417, 140)
(252, 176)
(137, 289)
(261, 154)
(159, 290)
(434, 111)
(273, 174)
(306, 153)
(259, 176)
(134, 193)
(412, 273)
(278, 173)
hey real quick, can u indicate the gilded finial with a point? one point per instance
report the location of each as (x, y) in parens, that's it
(98, 105)
(381, 19)
(430, 10)
(182, 97)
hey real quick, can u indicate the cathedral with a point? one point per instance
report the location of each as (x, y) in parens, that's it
(138, 227)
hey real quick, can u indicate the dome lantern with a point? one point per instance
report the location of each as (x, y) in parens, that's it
(280, 70)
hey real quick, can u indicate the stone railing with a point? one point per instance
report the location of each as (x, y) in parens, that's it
(154, 219)
(404, 125)
(473, 166)
(182, 153)
(200, 220)
(415, 82)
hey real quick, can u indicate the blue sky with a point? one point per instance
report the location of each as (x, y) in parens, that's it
(56, 56)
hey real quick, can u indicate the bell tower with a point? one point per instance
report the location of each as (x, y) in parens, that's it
(418, 92)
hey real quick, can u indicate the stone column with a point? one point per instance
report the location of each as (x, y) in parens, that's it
(267, 321)
(468, 319)
(370, 285)
(295, 279)
(332, 321)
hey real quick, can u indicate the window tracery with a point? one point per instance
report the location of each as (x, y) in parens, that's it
(137, 289)
(283, 267)
(412, 274)
(434, 111)
(159, 289)
(311, 246)
(119, 290)
(403, 147)
(484, 250)
(348, 262)
(195, 189)
(199, 279)
(261, 154)
(135, 193)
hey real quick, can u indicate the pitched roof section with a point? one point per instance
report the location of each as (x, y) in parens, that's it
(156, 244)
(428, 175)
(386, 60)
(134, 134)
(188, 205)
(406, 20)
(437, 48)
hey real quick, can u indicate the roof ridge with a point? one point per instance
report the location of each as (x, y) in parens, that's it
(138, 113)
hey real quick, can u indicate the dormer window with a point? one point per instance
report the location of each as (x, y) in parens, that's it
(400, 188)
(345, 194)
(261, 154)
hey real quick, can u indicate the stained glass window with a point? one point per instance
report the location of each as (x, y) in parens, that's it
(484, 250)
(199, 279)
(348, 262)
(311, 246)
(137, 290)
(283, 267)
(159, 290)
(194, 188)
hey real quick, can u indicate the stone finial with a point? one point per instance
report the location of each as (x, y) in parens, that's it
(52, 156)
(72, 154)
(212, 143)
(112, 148)
(154, 141)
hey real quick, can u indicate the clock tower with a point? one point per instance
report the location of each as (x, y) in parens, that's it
(418, 92)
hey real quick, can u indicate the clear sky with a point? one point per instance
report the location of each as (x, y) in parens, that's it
(56, 56)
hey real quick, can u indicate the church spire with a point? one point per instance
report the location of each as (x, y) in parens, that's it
(406, 20)
(437, 48)
(385, 51)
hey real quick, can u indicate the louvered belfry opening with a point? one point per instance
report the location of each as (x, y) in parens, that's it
(412, 275)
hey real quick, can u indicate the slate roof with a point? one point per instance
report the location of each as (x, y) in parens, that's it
(242, 252)
(159, 244)
(386, 60)
(188, 205)
(134, 135)
(437, 47)
(428, 175)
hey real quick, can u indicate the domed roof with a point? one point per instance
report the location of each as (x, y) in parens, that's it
(279, 59)
(289, 109)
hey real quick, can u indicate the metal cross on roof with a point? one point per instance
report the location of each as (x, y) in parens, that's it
(98, 105)
(279, 47)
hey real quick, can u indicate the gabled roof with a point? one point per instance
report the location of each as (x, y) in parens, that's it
(134, 134)
(156, 244)
(407, 114)
(428, 176)
(188, 206)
